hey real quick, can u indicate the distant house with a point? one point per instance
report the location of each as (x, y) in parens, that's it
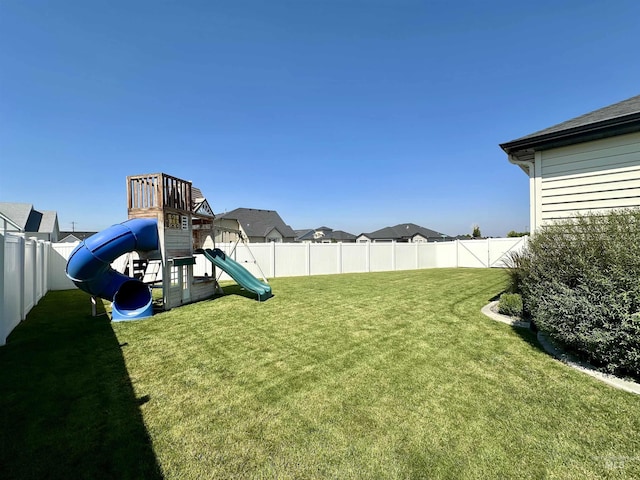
(72, 237)
(324, 235)
(590, 163)
(22, 218)
(404, 232)
(257, 226)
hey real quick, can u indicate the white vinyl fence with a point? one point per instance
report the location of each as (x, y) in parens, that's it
(299, 259)
(33, 267)
(25, 279)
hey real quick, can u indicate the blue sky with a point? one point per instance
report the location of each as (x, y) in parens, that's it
(350, 114)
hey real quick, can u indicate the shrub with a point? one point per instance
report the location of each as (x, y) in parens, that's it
(516, 263)
(510, 304)
(580, 282)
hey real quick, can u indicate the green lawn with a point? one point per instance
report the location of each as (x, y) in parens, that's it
(387, 375)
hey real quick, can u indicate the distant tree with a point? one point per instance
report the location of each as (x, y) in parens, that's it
(476, 232)
(513, 233)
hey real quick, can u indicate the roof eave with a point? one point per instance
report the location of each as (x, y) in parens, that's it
(4, 218)
(584, 133)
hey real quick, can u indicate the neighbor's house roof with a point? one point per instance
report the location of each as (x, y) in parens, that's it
(5, 218)
(404, 231)
(27, 219)
(48, 222)
(617, 119)
(258, 223)
(340, 235)
(309, 234)
(74, 236)
(18, 213)
(304, 233)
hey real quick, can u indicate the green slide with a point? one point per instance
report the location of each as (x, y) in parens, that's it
(236, 271)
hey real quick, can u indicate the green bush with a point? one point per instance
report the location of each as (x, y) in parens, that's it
(510, 304)
(580, 281)
(517, 266)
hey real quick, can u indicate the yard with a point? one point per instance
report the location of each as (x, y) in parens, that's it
(380, 375)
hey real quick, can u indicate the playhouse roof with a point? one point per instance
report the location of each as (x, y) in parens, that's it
(196, 194)
(200, 206)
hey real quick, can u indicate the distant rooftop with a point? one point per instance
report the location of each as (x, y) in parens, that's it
(79, 235)
(258, 223)
(28, 219)
(404, 231)
(324, 234)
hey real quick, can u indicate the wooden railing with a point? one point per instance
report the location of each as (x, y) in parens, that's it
(158, 191)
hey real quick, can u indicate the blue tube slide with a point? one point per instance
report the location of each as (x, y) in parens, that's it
(89, 267)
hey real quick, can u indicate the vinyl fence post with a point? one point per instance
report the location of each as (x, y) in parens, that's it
(488, 252)
(273, 259)
(22, 247)
(307, 266)
(47, 256)
(339, 257)
(41, 270)
(3, 302)
(34, 263)
(393, 255)
(367, 252)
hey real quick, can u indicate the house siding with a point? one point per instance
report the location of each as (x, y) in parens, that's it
(594, 176)
(223, 234)
(273, 236)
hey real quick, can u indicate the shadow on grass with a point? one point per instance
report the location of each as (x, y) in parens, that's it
(235, 289)
(530, 337)
(67, 406)
(496, 297)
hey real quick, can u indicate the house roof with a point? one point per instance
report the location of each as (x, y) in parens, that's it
(18, 213)
(27, 219)
(617, 119)
(328, 234)
(342, 235)
(258, 223)
(403, 231)
(48, 221)
(7, 219)
(304, 234)
(78, 235)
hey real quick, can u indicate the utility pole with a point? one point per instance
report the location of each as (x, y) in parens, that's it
(73, 226)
